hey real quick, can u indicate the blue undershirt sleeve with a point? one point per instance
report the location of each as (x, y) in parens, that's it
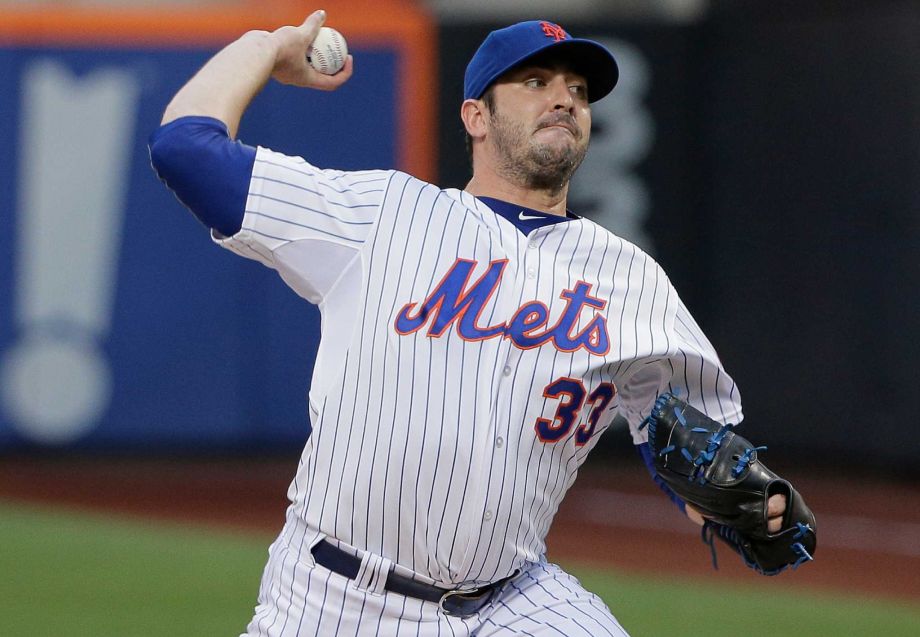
(207, 171)
(646, 454)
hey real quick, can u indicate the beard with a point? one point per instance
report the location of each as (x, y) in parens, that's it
(534, 164)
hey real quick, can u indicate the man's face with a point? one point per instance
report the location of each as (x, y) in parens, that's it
(540, 124)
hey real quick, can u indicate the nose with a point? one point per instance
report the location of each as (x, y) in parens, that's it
(562, 96)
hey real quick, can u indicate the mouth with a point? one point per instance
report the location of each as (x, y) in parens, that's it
(565, 128)
(570, 128)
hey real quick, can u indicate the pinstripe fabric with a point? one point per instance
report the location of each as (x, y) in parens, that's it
(301, 598)
(447, 429)
(546, 601)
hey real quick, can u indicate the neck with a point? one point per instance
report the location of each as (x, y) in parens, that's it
(487, 184)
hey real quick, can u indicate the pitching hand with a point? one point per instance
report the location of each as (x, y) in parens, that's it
(291, 66)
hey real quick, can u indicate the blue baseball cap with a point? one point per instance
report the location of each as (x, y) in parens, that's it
(506, 48)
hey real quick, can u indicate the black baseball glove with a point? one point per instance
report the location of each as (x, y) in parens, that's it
(718, 472)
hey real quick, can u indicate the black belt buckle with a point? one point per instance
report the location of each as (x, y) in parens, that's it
(465, 604)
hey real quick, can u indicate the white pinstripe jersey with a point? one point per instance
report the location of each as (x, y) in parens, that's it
(465, 369)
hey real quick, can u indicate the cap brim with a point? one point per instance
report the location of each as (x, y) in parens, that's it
(587, 58)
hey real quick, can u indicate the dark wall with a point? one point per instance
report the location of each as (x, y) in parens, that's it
(813, 122)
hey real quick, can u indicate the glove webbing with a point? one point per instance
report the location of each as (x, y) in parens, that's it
(705, 457)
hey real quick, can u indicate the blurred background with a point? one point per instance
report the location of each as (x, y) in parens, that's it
(767, 154)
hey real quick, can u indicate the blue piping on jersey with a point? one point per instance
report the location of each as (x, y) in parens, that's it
(207, 171)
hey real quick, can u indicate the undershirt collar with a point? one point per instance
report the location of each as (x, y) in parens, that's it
(525, 219)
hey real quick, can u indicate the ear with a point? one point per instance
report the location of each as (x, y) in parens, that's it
(474, 114)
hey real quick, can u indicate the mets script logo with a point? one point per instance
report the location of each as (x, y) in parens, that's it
(453, 301)
(554, 31)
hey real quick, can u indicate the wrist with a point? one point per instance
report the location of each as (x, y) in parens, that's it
(263, 44)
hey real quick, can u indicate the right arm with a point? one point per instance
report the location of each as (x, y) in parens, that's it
(193, 150)
(301, 220)
(225, 86)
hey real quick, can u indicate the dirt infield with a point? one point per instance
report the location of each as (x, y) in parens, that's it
(869, 531)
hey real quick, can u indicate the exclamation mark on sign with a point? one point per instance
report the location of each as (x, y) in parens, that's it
(74, 156)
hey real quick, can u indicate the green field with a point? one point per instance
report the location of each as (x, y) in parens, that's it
(68, 574)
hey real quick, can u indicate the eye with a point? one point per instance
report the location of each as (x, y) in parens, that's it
(579, 89)
(534, 82)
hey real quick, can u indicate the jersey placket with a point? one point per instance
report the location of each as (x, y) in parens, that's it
(508, 431)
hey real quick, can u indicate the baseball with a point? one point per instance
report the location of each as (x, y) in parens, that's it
(328, 51)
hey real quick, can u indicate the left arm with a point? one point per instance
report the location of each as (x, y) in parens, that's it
(692, 370)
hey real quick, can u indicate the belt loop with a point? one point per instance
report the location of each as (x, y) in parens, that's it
(372, 576)
(309, 556)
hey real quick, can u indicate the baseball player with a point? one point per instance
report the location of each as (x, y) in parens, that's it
(475, 343)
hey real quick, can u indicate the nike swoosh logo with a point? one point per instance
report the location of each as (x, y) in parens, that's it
(524, 217)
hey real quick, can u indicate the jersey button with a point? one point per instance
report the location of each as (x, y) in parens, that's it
(531, 273)
(507, 370)
(487, 515)
(499, 441)
(532, 245)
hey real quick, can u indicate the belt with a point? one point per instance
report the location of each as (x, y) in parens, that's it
(453, 602)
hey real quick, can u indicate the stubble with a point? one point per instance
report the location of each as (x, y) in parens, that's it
(533, 164)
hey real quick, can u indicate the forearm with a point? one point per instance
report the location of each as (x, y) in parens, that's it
(225, 86)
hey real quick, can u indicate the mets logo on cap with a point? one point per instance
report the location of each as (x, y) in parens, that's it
(553, 31)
